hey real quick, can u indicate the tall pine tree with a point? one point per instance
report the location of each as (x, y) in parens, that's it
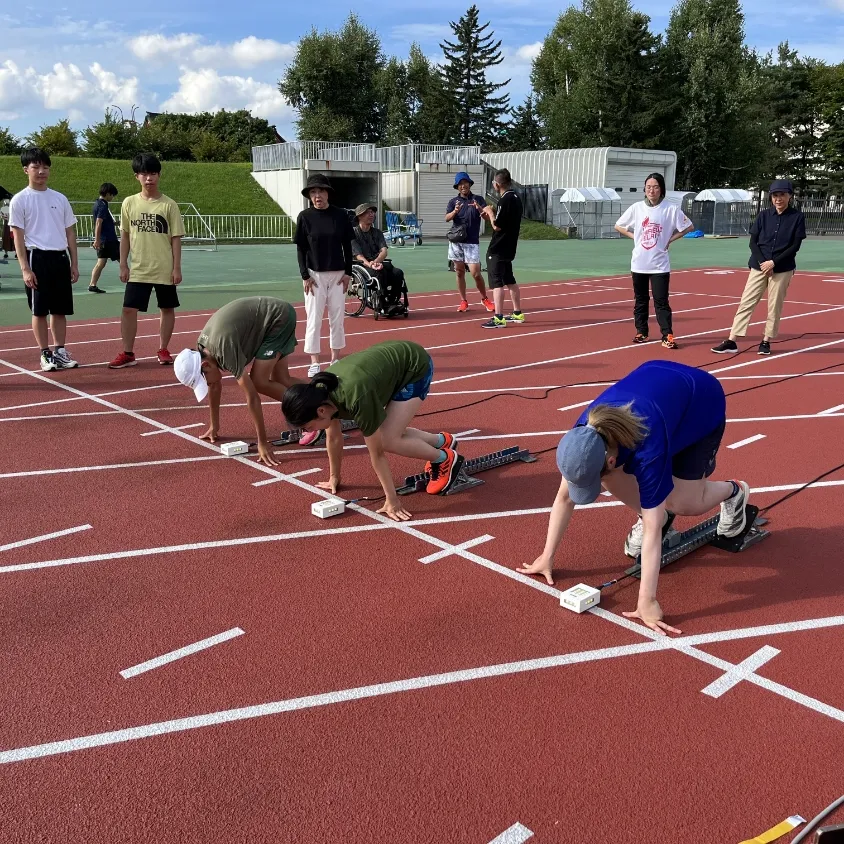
(477, 113)
(524, 131)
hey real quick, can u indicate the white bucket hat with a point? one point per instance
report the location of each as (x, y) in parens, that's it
(188, 369)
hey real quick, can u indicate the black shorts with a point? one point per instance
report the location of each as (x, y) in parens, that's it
(110, 250)
(138, 292)
(698, 460)
(54, 294)
(499, 271)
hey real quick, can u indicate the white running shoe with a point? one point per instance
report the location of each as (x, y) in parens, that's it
(633, 544)
(63, 359)
(313, 369)
(48, 362)
(733, 512)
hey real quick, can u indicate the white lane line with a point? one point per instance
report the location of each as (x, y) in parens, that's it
(150, 664)
(764, 630)
(780, 355)
(748, 441)
(579, 404)
(733, 676)
(44, 537)
(36, 472)
(831, 410)
(453, 549)
(293, 475)
(326, 699)
(466, 433)
(178, 428)
(516, 834)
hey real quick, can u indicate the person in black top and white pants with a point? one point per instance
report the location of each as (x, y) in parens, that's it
(506, 223)
(324, 241)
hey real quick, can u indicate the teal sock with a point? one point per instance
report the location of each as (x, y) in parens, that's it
(442, 456)
(440, 441)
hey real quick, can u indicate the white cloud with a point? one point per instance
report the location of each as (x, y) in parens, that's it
(207, 90)
(528, 52)
(188, 49)
(421, 32)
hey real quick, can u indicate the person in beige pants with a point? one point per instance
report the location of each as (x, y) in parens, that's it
(775, 239)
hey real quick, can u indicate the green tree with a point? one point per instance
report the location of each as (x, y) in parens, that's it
(525, 130)
(393, 93)
(477, 114)
(430, 110)
(597, 79)
(58, 139)
(208, 146)
(9, 144)
(111, 138)
(169, 140)
(333, 82)
(831, 94)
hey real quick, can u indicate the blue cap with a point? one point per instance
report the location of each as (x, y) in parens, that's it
(581, 455)
(781, 185)
(460, 177)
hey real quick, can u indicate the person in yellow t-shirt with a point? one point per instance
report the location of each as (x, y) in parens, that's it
(151, 229)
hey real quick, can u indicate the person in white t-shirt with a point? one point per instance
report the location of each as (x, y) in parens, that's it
(45, 242)
(653, 225)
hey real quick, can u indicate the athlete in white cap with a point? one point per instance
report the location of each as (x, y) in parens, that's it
(258, 330)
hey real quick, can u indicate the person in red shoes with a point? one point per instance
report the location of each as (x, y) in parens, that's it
(381, 388)
(151, 229)
(653, 225)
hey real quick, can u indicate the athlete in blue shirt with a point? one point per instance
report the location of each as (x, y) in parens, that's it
(650, 440)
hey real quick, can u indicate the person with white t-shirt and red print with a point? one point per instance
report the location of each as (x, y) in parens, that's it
(44, 228)
(653, 225)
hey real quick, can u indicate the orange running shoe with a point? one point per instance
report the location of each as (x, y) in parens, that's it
(488, 305)
(450, 442)
(668, 342)
(464, 306)
(443, 475)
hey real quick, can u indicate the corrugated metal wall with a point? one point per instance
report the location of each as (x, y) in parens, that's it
(397, 190)
(436, 187)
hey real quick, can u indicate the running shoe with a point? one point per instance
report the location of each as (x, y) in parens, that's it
(668, 342)
(633, 544)
(488, 305)
(309, 437)
(313, 369)
(520, 317)
(463, 307)
(450, 441)
(734, 511)
(48, 362)
(123, 360)
(725, 348)
(495, 322)
(95, 290)
(764, 348)
(63, 359)
(640, 338)
(443, 475)
(164, 357)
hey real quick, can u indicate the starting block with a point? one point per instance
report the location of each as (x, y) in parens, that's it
(290, 437)
(470, 468)
(676, 545)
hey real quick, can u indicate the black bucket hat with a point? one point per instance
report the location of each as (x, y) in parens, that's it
(317, 180)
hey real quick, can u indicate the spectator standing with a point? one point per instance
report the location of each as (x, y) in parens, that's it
(106, 242)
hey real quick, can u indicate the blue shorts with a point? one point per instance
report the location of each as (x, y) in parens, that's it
(698, 460)
(418, 389)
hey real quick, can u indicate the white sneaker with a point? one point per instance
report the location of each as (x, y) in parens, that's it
(733, 516)
(63, 359)
(633, 544)
(313, 369)
(48, 362)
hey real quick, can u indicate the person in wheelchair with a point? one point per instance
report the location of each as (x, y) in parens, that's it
(369, 249)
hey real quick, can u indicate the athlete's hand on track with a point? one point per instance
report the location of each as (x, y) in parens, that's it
(541, 565)
(650, 614)
(332, 485)
(211, 435)
(265, 456)
(395, 511)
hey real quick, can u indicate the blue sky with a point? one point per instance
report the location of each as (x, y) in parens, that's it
(59, 60)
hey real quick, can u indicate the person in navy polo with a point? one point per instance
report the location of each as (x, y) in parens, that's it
(775, 239)
(650, 440)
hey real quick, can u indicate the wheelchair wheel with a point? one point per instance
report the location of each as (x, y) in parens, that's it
(355, 303)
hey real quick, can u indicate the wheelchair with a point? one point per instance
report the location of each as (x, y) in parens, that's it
(364, 292)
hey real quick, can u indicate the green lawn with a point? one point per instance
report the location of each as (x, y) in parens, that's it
(212, 188)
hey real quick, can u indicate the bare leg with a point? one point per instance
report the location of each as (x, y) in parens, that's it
(58, 327)
(498, 298)
(129, 328)
(394, 432)
(460, 272)
(97, 271)
(475, 269)
(694, 498)
(515, 296)
(272, 377)
(168, 323)
(39, 329)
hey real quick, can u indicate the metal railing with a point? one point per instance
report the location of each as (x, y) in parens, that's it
(293, 155)
(407, 156)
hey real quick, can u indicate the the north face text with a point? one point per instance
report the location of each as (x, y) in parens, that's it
(151, 223)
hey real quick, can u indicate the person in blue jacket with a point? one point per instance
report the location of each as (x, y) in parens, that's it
(651, 440)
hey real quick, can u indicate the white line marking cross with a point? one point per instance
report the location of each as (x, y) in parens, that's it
(516, 834)
(740, 672)
(453, 549)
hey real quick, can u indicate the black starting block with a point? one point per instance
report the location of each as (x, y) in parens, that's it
(290, 437)
(676, 545)
(465, 477)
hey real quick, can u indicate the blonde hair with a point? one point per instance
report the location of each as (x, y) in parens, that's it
(619, 426)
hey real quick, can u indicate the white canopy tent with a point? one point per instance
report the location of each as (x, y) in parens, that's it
(723, 212)
(591, 212)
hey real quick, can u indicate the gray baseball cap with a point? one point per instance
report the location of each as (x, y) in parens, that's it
(781, 186)
(581, 455)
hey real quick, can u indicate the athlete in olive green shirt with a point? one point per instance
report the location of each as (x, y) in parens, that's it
(256, 329)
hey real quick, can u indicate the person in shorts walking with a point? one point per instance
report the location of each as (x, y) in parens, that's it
(655, 224)
(464, 213)
(45, 242)
(151, 230)
(506, 223)
(256, 330)
(106, 242)
(775, 238)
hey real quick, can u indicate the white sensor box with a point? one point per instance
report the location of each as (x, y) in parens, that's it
(327, 509)
(580, 598)
(237, 447)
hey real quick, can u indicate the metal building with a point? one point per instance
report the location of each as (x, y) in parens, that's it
(283, 170)
(619, 169)
(419, 179)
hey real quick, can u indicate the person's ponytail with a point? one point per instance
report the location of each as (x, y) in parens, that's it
(619, 426)
(301, 402)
